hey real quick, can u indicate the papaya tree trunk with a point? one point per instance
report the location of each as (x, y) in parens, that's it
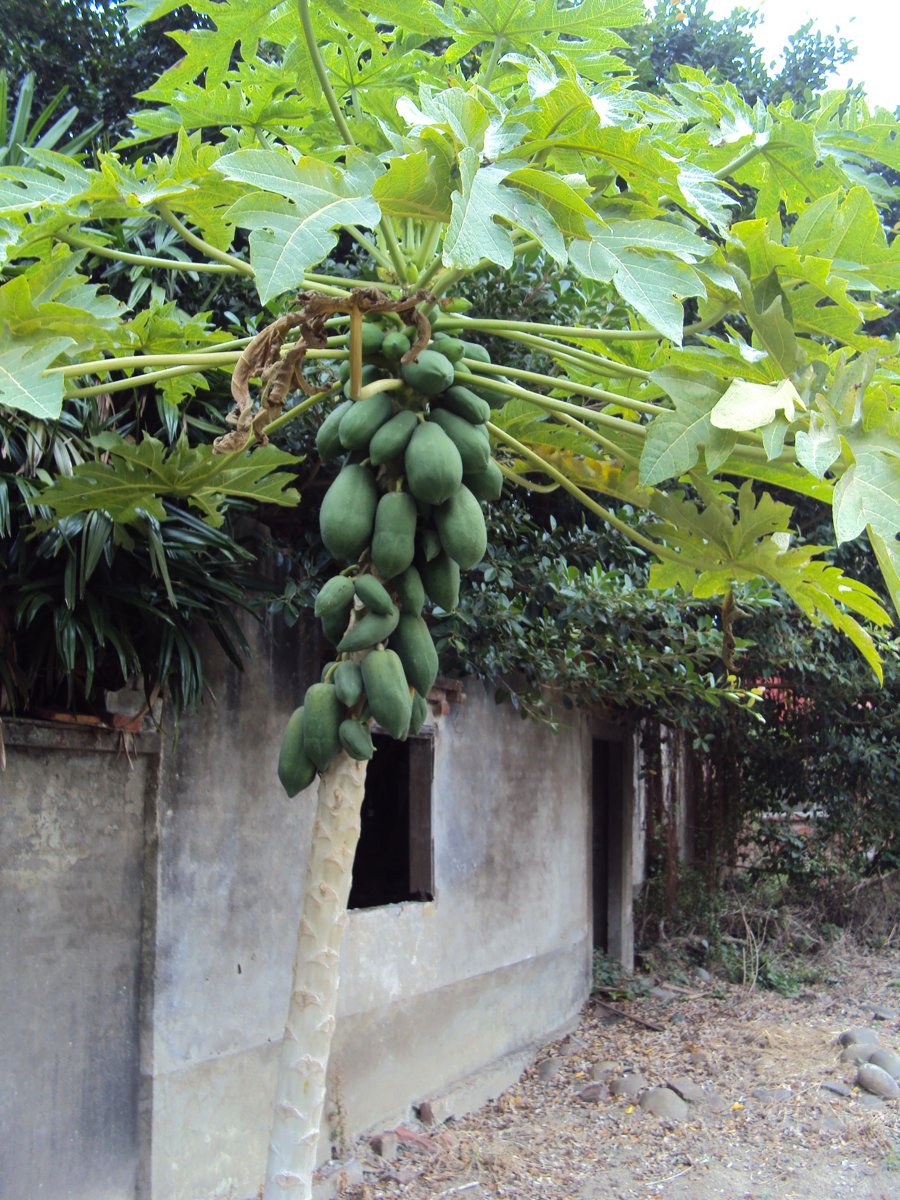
(300, 1092)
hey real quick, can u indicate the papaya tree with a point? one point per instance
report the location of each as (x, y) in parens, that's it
(733, 260)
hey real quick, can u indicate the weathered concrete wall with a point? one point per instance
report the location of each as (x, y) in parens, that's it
(71, 860)
(432, 994)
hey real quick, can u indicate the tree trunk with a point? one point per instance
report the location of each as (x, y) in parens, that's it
(300, 1093)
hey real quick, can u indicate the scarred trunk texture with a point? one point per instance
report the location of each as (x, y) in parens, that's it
(300, 1094)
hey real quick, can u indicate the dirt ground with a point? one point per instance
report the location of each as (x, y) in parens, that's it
(764, 1127)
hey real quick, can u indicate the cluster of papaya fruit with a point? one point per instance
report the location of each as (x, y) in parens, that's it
(402, 518)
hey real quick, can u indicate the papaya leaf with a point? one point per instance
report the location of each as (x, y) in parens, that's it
(674, 440)
(137, 478)
(746, 406)
(868, 494)
(23, 385)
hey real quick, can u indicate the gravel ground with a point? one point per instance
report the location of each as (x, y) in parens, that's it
(761, 1126)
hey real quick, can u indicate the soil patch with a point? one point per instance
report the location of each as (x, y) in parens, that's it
(753, 1099)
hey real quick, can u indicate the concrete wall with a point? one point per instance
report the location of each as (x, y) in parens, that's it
(188, 894)
(72, 810)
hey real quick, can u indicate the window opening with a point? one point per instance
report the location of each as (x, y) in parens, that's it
(394, 860)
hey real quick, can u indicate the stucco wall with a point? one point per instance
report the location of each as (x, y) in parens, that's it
(72, 810)
(148, 933)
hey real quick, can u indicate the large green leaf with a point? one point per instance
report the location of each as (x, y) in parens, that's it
(297, 226)
(473, 233)
(868, 494)
(648, 264)
(23, 386)
(415, 185)
(674, 440)
(137, 478)
(526, 24)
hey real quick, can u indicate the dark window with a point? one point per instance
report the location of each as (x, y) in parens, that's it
(394, 857)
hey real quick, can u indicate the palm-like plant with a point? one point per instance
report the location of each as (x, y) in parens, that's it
(20, 132)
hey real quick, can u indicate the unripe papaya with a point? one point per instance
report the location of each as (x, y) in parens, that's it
(347, 515)
(410, 591)
(463, 401)
(477, 352)
(460, 524)
(335, 597)
(370, 372)
(387, 691)
(334, 625)
(413, 644)
(441, 579)
(368, 631)
(419, 713)
(372, 338)
(394, 541)
(429, 545)
(471, 441)
(487, 484)
(348, 684)
(374, 594)
(356, 740)
(451, 348)
(328, 441)
(363, 419)
(395, 345)
(322, 715)
(296, 770)
(392, 438)
(429, 375)
(433, 466)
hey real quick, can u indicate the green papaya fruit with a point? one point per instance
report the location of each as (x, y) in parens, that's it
(368, 631)
(433, 466)
(429, 375)
(441, 579)
(373, 593)
(418, 714)
(372, 339)
(348, 685)
(392, 438)
(486, 484)
(356, 740)
(363, 419)
(322, 716)
(334, 597)
(394, 540)
(429, 544)
(334, 626)
(471, 441)
(413, 644)
(328, 441)
(370, 372)
(395, 345)
(451, 348)
(475, 351)
(410, 591)
(462, 401)
(347, 515)
(460, 525)
(296, 770)
(387, 691)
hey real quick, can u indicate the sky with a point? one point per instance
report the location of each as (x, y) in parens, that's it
(873, 25)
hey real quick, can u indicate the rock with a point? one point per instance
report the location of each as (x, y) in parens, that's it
(878, 1082)
(425, 1113)
(698, 1058)
(590, 1094)
(888, 1060)
(703, 975)
(885, 1014)
(549, 1069)
(867, 1100)
(661, 993)
(663, 1102)
(628, 1085)
(831, 1125)
(853, 1037)
(572, 1046)
(771, 1095)
(602, 1070)
(859, 1052)
(687, 1089)
(335, 1178)
(839, 1089)
(385, 1145)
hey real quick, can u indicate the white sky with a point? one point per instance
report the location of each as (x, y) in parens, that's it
(873, 25)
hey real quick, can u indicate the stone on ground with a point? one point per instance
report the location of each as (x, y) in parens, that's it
(878, 1082)
(863, 1033)
(663, 1102)
(888, 1060)
(628, 1085)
